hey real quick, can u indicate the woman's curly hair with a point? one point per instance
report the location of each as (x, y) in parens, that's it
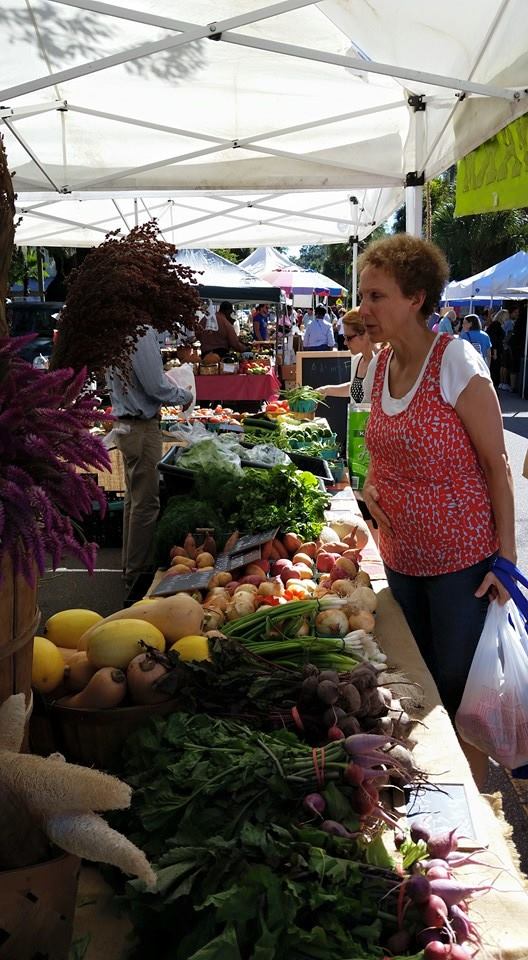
(414, 263)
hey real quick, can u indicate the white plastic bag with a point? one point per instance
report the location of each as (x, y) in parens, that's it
(493, 714)
(183, 377)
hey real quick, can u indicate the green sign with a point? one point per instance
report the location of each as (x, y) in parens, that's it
(495, 175)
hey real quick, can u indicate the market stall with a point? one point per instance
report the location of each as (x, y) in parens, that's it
(256, 636)
(237, 388)
(502, 914)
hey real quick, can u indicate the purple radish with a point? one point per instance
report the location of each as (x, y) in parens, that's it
(442, 844)
(354, 774)
(437, 862)
(432, 935)
(462, 926)
(434, 911)
(337, 829)
(361, 743)
(451, 951)
(418, 888)
(453, 892)
(419, 831)
(335, 733)
(438, 873)
(315, 804)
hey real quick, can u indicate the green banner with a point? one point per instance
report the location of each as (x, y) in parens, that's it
(495, 175)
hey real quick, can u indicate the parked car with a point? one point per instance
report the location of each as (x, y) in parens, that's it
(25, 316)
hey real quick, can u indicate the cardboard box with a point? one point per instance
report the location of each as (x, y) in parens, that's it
(288, 371)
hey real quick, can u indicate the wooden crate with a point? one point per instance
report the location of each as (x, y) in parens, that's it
(37, 905)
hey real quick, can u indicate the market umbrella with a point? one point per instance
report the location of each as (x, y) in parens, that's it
(303, 282)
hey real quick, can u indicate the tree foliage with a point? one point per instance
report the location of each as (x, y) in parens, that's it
(471, 243)
(334, 260)
(234, 255)
(122, 287)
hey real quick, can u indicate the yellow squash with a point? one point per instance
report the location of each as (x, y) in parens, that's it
(175, 617)
(115, 643)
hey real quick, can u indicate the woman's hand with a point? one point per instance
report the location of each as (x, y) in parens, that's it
(371, 497)
(494, 587)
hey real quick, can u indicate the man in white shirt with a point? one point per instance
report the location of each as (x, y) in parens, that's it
(319, 334)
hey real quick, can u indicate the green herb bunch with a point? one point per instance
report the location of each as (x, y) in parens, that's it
(242, 875)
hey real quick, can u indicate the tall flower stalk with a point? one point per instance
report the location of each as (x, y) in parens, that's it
(44, 442)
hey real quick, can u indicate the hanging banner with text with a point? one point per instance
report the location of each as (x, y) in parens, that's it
(495, 175)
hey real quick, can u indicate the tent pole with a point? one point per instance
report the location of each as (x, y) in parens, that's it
(354, 270)
(525, 359)
(136, 216)
(413, 209)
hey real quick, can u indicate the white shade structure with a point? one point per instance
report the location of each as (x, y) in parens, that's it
(285, 122)
(506, 279)
(264, 259)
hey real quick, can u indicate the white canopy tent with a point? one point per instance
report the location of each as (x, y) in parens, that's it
(264, 259)
(203, 218)
(503, 280)
(234, 110)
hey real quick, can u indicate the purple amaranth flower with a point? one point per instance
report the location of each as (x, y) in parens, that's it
(44, 442)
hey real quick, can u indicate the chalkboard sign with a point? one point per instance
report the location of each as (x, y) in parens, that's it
(315, 369)
(250, 540)
(196, 580)
(232, 561)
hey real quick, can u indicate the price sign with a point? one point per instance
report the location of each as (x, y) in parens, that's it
(232, 561)
(175, 583)
(251, 540)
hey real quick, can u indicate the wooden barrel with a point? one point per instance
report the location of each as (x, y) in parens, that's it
(37, 905)
(19, 620)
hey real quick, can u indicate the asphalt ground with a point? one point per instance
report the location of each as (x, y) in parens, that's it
(71, 586)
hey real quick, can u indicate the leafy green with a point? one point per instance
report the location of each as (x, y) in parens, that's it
(240, 876)
(207, 454)
(249, 502)
(281, 497)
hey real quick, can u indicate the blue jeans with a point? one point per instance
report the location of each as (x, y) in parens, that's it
(446, 620)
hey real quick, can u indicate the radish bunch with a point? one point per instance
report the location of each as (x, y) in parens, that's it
(433, 904)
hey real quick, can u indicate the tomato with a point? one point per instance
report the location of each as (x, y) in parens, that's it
(219, 409)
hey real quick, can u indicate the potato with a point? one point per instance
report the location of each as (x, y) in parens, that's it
(180, 568)
(204, 560)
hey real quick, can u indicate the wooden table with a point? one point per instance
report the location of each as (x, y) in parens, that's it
(501, 914)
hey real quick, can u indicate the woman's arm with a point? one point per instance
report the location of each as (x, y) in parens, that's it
(335, 389)
(478, 408)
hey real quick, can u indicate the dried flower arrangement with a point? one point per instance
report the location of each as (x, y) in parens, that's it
(44, 441)
(122, 287)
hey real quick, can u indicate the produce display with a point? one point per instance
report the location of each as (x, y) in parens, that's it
(264, 799)
(283, 851)
(311, 437)
(206, 415)
(254, 500)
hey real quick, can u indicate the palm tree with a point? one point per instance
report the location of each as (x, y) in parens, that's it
(475, 242)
